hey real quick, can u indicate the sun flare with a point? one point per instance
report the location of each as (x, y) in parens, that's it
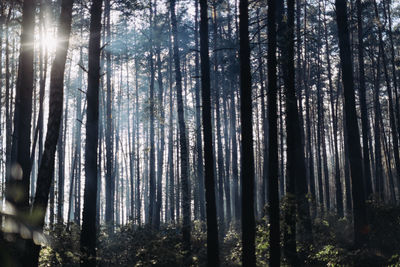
(48, 41)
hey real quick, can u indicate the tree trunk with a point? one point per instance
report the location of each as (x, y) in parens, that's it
(211, 210)
(182, 136)
(88, 234)
(273, 188)
(363, 104)
(390, 98)
(338, 183)
(152, 178)
(355, 158)
(247, 156)
(199, 148)
(17, 190)
(109, 121)
(46, 169)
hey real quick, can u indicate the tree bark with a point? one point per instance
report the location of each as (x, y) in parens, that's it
(247, 156)
(17, 189)
(273, 187)
(88, 234)
(182, 136)
(46, 169)
(355, 158)
(211, 210)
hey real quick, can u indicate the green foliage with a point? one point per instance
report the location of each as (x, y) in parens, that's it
(332, 245)
(231, 250)
(64, 247)
(262, 243)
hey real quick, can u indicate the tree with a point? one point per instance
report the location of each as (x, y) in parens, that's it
(363, 103)
(109, 122)
(152, 178)
(209, 178)
(296, 170)
(359, 210)
(182, 133)
(273, 188)
(18, 184)
(88, 234)
(46, 169)
(247, 156)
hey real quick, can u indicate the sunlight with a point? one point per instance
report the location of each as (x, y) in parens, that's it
(48, 41)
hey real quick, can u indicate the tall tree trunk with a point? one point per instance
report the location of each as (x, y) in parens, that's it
(160, 157)
(152, 178)
(109, 121)
(390, 98)
(273, 188)
(211, 210)
(182, 135)
(171, 140)
(46, 169)
(392, 54)
(264, 121)
(199, 148)
(61, 166)
(8, 97)
(17, 190)
(296, 161)
(247, 156)
(88, 234)
(138, 199)
(377, 140)
(338, 183)
(355, 158)
(363, 104)
(309, 150)
(217, 120)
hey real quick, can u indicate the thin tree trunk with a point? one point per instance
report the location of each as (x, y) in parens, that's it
(182, 136)
(273, 187)
(363, 104)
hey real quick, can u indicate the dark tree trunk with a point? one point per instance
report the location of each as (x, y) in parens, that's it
(338, 183)
(46, 169)
(296, 161)
(109, 122)
(273, 188)
(355, 158)
(182, 134)
(309, 150)
(160, 156)
(137, 199)
(199, 148)
(217, 121)
(21, 139)
(88, 234)
(211, 210)
(247, 156)
(152, 174)
(171, 145)
(363, 104)
(377, 129)
(264, 121)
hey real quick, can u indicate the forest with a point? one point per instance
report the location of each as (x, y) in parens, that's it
(199, 133)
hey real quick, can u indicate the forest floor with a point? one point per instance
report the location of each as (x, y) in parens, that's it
(131, 245)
